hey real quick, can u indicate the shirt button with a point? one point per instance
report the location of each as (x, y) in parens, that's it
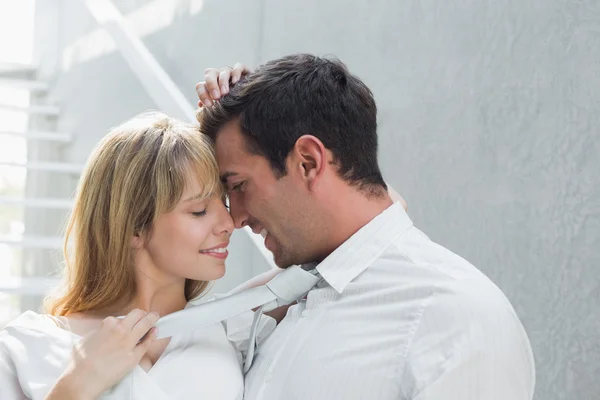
(305, 313)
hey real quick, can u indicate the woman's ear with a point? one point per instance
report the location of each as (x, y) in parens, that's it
(137, 241)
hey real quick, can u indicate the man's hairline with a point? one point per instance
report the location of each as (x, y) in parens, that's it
(279, 174)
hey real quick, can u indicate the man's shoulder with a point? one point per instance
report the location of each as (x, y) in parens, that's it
(414, 257)
(415, 264)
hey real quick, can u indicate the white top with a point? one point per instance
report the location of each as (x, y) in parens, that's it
(203, 365)
(398, 317)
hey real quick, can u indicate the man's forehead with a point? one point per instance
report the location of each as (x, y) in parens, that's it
(232, 161)
(233, 155)
(230, 143)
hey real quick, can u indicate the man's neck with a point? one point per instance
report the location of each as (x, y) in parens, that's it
(349, 211)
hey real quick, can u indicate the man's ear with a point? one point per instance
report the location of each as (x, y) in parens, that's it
(309, 158)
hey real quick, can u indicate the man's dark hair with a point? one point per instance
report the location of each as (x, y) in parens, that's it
(303, 94)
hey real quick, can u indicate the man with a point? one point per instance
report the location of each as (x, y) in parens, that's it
(396, 315)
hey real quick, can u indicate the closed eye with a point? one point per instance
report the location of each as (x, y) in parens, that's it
(199, 213)
(237, 187)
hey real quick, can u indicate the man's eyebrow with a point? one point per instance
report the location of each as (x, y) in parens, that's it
(226, 176)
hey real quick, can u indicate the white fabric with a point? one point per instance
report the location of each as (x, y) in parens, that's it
(283, 289)
(398, 317)
(204, 364)
(288, 286)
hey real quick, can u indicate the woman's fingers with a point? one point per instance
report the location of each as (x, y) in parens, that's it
(203, 96)
(204, 88)
(211, 81)
(143, 326)
(131, 319)
(217, 83)
(142, 347)
(238, 71)
(224, 77)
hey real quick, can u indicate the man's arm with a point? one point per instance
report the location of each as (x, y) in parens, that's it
(469, 345)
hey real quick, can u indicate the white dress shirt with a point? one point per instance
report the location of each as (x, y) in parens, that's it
(204, 364)
(398, 317)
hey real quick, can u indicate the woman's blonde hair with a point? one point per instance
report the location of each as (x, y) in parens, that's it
(136, 173)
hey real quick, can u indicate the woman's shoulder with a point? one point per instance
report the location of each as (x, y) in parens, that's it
(29, 320)
(30, 326)
(34, 351)
(35, 336)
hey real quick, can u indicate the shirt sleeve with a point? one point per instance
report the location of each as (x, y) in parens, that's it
(469, 347)
(10, 388)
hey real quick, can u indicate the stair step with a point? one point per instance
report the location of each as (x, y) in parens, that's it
(37, 202)
(28, 285)
(67, 168)
(34, 242)
(41, 109)
(14, 70)
(40, 135)
(27, 84)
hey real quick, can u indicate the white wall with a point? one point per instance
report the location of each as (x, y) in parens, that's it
(488, 126)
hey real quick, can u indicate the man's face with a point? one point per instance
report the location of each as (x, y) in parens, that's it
(275, 208)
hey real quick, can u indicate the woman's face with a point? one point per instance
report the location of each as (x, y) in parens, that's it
(191, 240)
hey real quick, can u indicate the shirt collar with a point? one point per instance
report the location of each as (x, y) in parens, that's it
(357, 253)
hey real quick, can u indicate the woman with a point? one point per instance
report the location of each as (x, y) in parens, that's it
(147, 232)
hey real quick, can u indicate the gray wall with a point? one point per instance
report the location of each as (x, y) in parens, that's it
(488, 125)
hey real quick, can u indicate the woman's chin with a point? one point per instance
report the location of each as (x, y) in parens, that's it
(215, 272)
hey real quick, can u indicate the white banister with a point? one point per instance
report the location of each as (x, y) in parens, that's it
(152, 76)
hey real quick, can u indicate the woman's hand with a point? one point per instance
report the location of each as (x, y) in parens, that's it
(105, 356)
(216, 83)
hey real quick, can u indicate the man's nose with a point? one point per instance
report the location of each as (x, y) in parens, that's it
(238, 212)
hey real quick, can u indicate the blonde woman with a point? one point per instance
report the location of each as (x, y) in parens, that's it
(147, 232)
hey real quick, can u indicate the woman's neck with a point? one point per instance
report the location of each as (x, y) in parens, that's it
(162, 300)
(154, 292)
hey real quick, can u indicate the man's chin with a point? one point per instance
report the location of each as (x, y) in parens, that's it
(287, 260)
(282, 261)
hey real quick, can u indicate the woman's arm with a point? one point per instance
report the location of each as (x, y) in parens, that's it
(70, 387)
